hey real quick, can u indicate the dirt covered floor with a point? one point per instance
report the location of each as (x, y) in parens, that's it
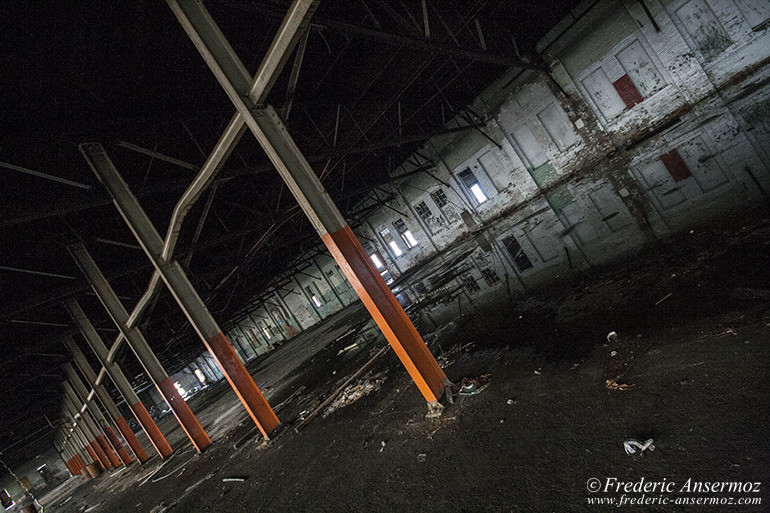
(548, 406)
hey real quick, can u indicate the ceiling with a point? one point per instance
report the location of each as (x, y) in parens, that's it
(125, 72)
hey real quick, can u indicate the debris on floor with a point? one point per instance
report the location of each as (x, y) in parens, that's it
(354, 345)
(354, 392)
(631, 446)
(614, 385)
(472, 386)
(421, 457)
(233, 479)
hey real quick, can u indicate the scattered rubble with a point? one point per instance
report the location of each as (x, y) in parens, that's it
(631, 446)
(472, 386)
(614, 385)
(353, 393)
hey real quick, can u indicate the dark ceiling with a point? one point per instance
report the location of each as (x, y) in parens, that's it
(117, 72)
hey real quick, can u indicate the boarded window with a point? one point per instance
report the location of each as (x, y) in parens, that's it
(704, 28)
(609, 208)
(756, 13)
(529, 146)
(640, 70)
(627, 91)
(604, 94)
(557, 125)
(520, 258)
(675, 165)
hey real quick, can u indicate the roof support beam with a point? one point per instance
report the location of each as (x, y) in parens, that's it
(314, 200)
(140, 347)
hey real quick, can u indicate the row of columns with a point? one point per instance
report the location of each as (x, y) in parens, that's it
(89, 435)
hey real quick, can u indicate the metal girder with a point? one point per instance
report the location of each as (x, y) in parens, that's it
(140, 347)
(178, 284)
(86, 397)
(294, 25)
(314, 200)
(116, 375)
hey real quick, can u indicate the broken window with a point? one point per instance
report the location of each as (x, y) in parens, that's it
(472, 184)
(405, 233)
(470, 283)
(266, 332)
(5, 499)
(424, 212)
(439, 197)
(520, 258)
(490, 276)
(388, 238)
(313, 297)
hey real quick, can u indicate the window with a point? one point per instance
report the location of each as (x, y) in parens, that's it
(388, 238)
(439, 198)
(423, 211)
(377, 261)
(266, 332)
(469, 180)
(200, 376)
(520, 258)
(5, 499)
(312, 296)
(470, 283)
(405, 233)
(490, 276)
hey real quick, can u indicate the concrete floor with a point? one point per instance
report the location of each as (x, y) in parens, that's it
(696, 365)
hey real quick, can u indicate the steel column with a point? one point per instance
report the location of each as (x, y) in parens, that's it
(88, 437)
(314, 200)
(124, 387)
(180, 287)
(82, 391)
(141, 348)
(109, 405)
(91, 424)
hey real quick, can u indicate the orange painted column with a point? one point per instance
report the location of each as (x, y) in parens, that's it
(239, 378)
(94, 457)
(153, 433)
(115, 441)
(114, 460)
(80, 463)
(131, 440)
(184, 414)
(71, 467)
(387, 313)
(101, 455)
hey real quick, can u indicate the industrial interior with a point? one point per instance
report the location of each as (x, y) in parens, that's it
(385, 255)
